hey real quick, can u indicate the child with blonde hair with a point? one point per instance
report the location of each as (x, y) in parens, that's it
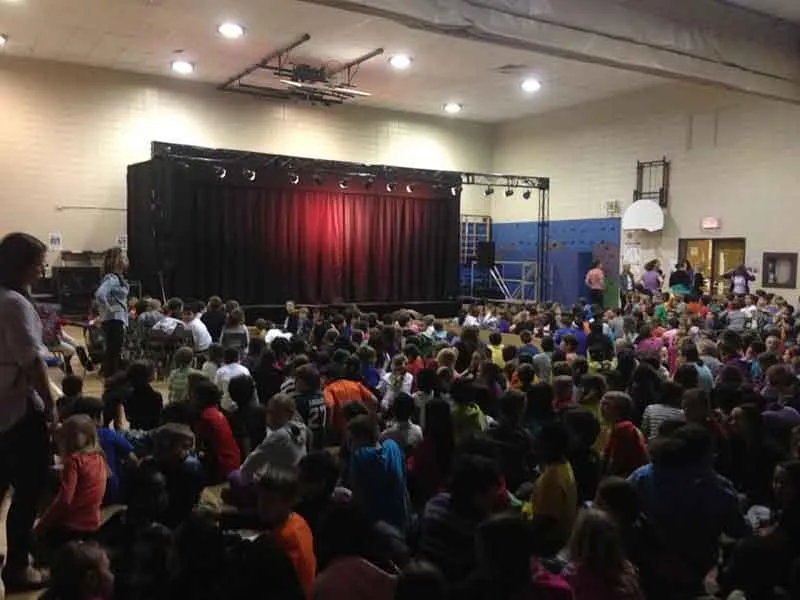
(398, 380)
(74, 513)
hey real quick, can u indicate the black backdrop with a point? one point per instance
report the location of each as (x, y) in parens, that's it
(266, 241)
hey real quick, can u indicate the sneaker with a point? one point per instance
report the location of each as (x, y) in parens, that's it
(26, 579)
(86, 362)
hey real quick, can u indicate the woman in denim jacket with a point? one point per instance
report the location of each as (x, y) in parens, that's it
(112, 298)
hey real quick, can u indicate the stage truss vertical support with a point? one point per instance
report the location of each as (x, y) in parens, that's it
(543, 246)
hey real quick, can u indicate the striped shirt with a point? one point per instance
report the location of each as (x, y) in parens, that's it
(655, 415)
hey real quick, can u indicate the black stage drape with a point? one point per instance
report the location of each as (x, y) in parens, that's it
(265, 244)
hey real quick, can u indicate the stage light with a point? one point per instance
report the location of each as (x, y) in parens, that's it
(489, 191)
(317, 178)
(509, 193)
(231, 31)
(249, 174)
(452, 108)
(391, 186)
(400, 61)
(410, 188)
(220, 172)
(343, 183)
(294, 178)
(526, 194)
(531, 85)
(183, 67)
(369, 183)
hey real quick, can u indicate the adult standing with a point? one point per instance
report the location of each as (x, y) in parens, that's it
(26, 405)
(627, 283)
(681, 280)
(740, 279)
(596, 282)
(112, 296)
(652, 278)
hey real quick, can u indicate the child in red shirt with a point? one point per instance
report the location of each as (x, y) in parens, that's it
(222, 455)
(626, 448)
(278, 493)
(74, 513)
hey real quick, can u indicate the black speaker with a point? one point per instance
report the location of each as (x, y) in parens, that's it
(484, 255)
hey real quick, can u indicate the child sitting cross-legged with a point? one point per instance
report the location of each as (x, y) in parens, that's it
(137, 542)
(72, 387)
(376, 473)
(554, 499)
(283, 445)
(408, 435)
(468, 418)
(221, 454)
(74, 514)
(228, 371)
(143, 408)
(177, 381)
(598, 567)
(318, 474)
(183, 473)
(216, 356)
(249, 420)
(117, 449)
(278, 493)
(626, 447)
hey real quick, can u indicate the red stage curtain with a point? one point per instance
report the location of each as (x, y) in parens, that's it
(266, 245)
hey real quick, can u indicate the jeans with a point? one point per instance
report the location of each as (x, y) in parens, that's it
(115, 334)
(596, 298)
(24, 463)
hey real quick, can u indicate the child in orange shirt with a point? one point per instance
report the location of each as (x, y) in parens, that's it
(278, 493)
(74, 513)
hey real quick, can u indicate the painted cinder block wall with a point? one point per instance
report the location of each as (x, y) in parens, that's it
(734, 157)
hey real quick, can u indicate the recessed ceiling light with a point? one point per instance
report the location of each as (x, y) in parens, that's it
(531, 85)
(183, 67)
(452, 108)
(3, 39)
(400, 61)
(231, 31)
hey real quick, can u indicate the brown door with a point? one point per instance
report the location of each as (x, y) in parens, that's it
(699, 253)
(713, 258)
(728, 254)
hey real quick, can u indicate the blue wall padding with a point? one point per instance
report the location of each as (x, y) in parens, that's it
(574, 244)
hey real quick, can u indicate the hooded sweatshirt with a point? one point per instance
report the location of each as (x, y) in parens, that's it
(468, 419)
(282, 448)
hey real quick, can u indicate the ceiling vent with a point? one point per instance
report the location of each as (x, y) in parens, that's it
(511, 69)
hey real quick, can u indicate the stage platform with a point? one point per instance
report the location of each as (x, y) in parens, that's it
(277, 312)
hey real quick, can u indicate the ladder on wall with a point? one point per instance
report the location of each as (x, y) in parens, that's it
(474, 229)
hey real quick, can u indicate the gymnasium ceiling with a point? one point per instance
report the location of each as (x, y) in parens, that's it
(783, 9)
(145, 36)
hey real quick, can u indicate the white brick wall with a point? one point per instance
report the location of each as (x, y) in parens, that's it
(733, 156)
(68, 134)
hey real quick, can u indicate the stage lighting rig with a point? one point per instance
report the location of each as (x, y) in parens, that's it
(277, 76)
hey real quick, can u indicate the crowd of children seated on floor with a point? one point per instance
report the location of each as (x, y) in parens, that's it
(648, 452)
